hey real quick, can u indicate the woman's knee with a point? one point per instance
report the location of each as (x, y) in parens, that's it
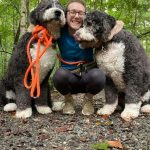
(60, 74)
(97, 76)
(96, 81)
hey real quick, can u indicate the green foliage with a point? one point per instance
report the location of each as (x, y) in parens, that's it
(135, 14)
(100, 146)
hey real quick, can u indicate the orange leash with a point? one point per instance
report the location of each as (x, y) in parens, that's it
(41, 34)
(71, 63)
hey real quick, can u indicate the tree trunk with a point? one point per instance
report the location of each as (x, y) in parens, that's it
(24, 16)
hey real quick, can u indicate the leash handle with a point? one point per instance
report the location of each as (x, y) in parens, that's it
(41, 34)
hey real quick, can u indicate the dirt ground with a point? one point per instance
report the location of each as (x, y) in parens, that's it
(56, 131)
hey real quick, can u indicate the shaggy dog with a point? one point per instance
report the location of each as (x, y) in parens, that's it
(122, 59)
(48, 14)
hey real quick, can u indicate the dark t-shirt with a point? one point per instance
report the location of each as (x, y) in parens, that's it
(70, 50)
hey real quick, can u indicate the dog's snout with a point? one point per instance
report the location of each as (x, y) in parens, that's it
(57, 13)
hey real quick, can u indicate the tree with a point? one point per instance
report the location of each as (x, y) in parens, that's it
(14, 21)
(24, 21)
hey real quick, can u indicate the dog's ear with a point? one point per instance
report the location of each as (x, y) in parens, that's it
(106, 25)
(33, 17)
(36, 14)
(111, 21)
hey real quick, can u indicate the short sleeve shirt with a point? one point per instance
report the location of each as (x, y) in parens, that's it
(70, 50)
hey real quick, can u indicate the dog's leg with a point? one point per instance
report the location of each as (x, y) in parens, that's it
(11, 97)
(111, 95)
(146, 98)
(23, 101)
(132, 102)
(43, 103)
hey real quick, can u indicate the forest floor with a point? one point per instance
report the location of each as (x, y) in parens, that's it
(56, 131)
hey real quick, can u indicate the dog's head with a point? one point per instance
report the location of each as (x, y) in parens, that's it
(96, 29)
(50, 14)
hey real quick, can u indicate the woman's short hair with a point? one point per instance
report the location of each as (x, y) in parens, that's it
(78, 1)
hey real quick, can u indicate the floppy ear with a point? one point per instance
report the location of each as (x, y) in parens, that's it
(108, 24)
(111, 21)
(33, 17)
(36, 14)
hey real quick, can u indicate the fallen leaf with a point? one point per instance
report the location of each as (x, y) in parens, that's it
(83, 139)
(98, 123)
(62, 129)
(24, 121)
(109, 123)
(100, 146)
(105, 117)
(13, 113)
(43, 137)
(115, 144)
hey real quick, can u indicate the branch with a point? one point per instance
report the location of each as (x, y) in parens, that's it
(3, 51)
(143, 34)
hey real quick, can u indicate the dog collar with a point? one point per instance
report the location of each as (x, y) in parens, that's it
(116, 29)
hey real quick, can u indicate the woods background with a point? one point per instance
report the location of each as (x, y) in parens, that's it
(14, 20)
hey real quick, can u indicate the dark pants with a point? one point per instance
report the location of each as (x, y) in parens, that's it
(91, 81)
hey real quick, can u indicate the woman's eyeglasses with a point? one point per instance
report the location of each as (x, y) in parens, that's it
(74, 12)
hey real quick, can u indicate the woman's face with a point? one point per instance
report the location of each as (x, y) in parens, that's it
(75, 15)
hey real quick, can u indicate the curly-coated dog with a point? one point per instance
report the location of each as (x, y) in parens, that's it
(122, 58)
(50, 15)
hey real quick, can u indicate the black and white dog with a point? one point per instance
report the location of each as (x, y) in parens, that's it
(123, 60)
(50, 15)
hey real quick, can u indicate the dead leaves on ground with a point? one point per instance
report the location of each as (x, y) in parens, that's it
(115, 144)
(64, 128)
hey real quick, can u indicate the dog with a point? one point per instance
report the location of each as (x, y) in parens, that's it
(123, 60)
(50, 15)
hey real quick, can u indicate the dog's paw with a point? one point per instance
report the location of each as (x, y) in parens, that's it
(130, 112)
(107, 109)
(57, 106)
(88, 109)
(10, 107)
(24, 113)
(68, 109)
(43, 109)
(145, 108)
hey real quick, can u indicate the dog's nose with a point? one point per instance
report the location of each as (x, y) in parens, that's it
(57, 13)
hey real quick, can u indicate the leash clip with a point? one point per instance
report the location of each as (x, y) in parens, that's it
(82, 68)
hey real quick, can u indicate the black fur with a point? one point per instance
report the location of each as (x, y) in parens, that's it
(18, 64)
(127, 68)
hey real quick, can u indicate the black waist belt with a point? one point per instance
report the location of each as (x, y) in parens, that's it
(85, 67)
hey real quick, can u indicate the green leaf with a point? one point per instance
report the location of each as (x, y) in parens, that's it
(100, 146)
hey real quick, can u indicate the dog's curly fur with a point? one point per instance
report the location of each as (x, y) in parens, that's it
(50, 15)
(124, 62)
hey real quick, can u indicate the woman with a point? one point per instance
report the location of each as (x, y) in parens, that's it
(78, 72)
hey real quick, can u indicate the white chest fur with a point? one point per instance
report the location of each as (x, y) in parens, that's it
(46, 62)
(111, 61)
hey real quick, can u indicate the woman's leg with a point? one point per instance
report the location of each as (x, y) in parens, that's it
(95, 82)
(64, 82)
